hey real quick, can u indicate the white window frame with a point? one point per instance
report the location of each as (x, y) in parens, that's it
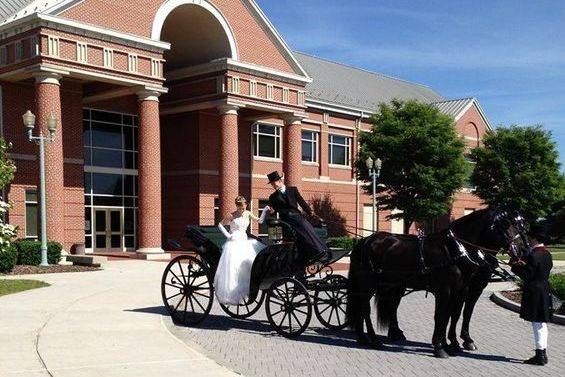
(34, 46)
(270, 92)
(314, 146)
(301, 98)
(53, 46)
(133, 63)
(286, 95)
(253, 88)
(108, 58)
(29, 202)
(82, 52)
(347, 146)
(326, 118)
(235, 85)
(278, 141)
(156, 68)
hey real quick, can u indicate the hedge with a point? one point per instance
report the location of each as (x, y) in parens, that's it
(8, 259)
(29, 252)
(346, 243)
(557, 285)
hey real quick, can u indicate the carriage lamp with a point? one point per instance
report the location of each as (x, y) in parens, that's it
(374, 167)
(275, 231)
(51, 123)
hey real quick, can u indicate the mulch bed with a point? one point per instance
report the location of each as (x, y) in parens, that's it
(516, 296)
(56, 269)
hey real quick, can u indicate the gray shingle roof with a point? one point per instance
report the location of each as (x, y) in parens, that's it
(352, 87)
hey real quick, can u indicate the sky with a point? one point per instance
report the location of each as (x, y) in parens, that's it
(509, 54)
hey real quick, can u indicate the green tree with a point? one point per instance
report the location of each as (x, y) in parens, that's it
(518, 167)
(423, 160)
(7, 167)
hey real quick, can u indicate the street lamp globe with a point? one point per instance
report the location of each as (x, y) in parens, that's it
(369, 162)
(52, 124)
(29, 120)
(379, 164)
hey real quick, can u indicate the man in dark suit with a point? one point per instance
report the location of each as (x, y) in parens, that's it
(534, 269)
(286, 200)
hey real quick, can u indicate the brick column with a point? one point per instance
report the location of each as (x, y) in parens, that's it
(229, 159)
(292, 156)
(149, 170)
(48, 102)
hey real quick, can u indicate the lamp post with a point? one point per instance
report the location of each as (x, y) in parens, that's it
(375, 167)
(29, 123)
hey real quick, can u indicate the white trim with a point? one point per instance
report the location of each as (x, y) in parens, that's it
(308, 163)
(341, 109)
(103, 170)
(267, 159)
(280, 43)
(237, 66)
(342, 167)
(47, 78)
(168, 6)
(67, 25)
(330, 181)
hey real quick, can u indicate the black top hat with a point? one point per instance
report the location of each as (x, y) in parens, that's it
(274, 176)
(539, 230)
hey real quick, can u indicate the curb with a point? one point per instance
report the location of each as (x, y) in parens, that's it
(500, 300)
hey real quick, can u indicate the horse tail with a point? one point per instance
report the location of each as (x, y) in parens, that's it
(354, 307)
(384, 310)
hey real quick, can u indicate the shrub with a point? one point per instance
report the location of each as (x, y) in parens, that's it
(557, 285)
(346, 243)
(29, 252)
(8, 259)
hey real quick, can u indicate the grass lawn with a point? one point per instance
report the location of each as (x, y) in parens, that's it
(14, 286)
(557, 254)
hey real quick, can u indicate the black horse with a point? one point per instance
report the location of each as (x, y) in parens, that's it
(385, 265)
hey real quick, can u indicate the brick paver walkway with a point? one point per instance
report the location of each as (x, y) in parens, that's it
(251, 347)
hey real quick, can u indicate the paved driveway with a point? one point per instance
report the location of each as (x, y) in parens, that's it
(253, 349)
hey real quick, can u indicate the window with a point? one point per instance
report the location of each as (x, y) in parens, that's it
(108, 58)
(286, 95)
(270, 89)
(309, 146)
(34, 46)
(32, 217)
(133, 63)
(155, 68)
(82, 52)
(470, 168)
(300, 99)
(53, 46)
(3, 55)
(339, 150)
(235, 85)
(266, 141)
(253, 88)
(19, 51)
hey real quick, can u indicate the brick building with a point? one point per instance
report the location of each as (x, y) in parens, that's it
(171, 108)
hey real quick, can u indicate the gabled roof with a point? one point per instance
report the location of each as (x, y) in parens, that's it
(11, 10)
(11, 7)
(457, 107)
(343, 85)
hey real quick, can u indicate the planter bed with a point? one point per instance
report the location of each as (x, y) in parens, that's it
(511, 301)
(55, 269)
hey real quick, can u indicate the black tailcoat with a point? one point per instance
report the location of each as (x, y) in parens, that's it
(287, 205)
(536, 300)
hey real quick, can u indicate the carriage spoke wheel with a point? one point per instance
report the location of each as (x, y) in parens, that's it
(186, 290)
(245, 310)
(288, 307)
(330, 302)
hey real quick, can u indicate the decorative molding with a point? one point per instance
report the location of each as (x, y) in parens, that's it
(148, 95)
(47, 78)
(168, 6)
(228, 109)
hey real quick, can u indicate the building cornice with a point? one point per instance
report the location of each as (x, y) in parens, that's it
(36, 20)
(237, 66)
(340, 109)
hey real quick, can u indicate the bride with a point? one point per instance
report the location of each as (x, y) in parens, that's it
(238, 253)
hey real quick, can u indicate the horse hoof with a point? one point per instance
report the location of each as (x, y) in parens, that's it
(376, 345)
(396, 336)
(470, 346)
(440, 353)
(453, 349)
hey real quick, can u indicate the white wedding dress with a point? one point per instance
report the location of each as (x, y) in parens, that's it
(233, 275)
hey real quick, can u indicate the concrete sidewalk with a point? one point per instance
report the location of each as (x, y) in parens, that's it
(105, 323)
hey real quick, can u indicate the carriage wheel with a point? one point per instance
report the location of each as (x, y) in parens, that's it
(245, 310)
(330, 302)
(186, 290)
(288, 307)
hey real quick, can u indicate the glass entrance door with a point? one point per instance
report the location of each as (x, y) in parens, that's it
(108, 229)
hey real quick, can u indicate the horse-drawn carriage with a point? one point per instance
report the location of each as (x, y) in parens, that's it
(285, 279)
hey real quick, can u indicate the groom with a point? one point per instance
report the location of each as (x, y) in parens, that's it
(286, 200)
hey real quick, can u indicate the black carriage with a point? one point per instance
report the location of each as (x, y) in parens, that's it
(291, 285)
